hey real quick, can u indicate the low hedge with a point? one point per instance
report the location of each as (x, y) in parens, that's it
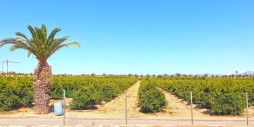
(85, 98)
(14, 99)
(229, 104)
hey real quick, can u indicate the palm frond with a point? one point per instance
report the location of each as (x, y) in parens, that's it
(61, 46)
(40, 45)
(32, 31)
(14, 47)
(21, 35)
(71, 43)
(19, 44)
(40, 35)
(56, 42)
(52, 34)
(44, 31)
(31, 44)
(29, 53)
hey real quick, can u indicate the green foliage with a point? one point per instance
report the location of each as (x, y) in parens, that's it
(15, 92)
(14, 99)
(9, 101)
(222, 96)
(42, 44)
(85, 98)
(229, 104)
(151, 99)
(86, 91)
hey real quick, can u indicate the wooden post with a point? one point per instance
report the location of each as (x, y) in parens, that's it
(191, 110)
(247, 109)
(64, 107)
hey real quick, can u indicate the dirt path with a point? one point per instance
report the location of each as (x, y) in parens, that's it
(118, 104)
(180, 108)
(113, 109)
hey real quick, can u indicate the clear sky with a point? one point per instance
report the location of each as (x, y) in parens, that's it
(137, 36)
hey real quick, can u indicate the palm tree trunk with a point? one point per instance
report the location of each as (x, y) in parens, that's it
(42, 87)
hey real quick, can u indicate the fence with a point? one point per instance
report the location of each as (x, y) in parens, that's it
(183, 108)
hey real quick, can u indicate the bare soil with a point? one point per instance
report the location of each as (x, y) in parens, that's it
(181, 109)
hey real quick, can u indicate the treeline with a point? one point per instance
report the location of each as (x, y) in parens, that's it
(179, 76)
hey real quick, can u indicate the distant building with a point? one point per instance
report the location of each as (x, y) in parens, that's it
(1, 72)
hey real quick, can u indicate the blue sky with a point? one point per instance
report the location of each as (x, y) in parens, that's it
(137, 36)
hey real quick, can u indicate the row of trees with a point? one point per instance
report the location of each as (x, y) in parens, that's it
(165, 76)
(184, 76)
(223, 97)
(151, 99)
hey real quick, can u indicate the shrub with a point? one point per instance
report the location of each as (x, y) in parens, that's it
(151, 99)
(229, 104)
(85, 98)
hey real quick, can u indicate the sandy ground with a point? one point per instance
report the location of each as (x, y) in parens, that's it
(115, 109)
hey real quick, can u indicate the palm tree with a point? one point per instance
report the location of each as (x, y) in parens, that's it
(196, 76)
(136, 76)
(93, 75)
(244, 76)
(42, 46)
(104, 75)
(232, 76)
(178, 75)
(165, 76)
(141, 76)
(172, 77)
(240, 76)
(130, 75)
(249, 76)
(159, 76)
(205, 76)
(236, 72)
(154, 76)
(185, 76)
(148, 76)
